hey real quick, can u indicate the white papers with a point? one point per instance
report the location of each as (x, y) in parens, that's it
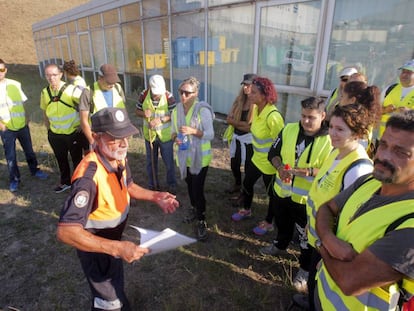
(162, 241)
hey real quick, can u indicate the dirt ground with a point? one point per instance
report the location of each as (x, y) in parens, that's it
(39, 273)
(17, 45)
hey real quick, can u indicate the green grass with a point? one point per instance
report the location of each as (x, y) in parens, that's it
(225, 273)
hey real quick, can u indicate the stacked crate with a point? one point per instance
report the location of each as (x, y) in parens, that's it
(182, 52)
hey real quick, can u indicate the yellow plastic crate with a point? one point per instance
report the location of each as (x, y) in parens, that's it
(226, 55)
(222, 43)
(149, 61)
(160, 60)
(210, 58)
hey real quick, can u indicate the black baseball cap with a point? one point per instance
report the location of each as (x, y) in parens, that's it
(248, 78)
(113, 121)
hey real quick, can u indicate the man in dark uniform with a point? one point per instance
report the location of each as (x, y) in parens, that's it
(94, 215)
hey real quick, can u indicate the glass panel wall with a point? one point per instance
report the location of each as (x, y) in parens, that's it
(156, 55)
(114, 49)
(153, 8)
(300, 45)
(185, 5)
(74, 48)
(374, 38)
(134, 67)
(85, 50)
(130, 12)
(287, 46)
(230, 33)
(98, 47)
(187, 50)
(110, 17)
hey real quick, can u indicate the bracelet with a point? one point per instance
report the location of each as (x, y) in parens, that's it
(310, 170)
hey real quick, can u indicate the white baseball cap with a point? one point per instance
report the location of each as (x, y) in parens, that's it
(157, 85)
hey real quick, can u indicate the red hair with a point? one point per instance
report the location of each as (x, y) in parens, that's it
(266, 87)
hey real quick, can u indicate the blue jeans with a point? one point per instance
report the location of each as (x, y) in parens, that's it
(8, 138)
(167, 156)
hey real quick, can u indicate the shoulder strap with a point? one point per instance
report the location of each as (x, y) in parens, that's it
(92, 105)
(57, 98)
(352, 165)
(92, 90)
(390, 88)
(398, 222)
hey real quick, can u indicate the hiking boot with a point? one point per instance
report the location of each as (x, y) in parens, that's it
(242, 214)
(263, 228)
(201, 230)
(272, 250)
(190, 216)
(300, 282)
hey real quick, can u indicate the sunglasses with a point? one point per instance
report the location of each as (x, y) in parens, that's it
(186, 93)
(344, 79)
(2, 69)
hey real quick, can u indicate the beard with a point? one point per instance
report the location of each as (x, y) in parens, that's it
(118, 154)
(381, 176)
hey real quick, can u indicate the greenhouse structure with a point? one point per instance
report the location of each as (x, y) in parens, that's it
(300, 45)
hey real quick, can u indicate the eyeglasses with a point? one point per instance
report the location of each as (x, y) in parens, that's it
(52, 75)
(186, 93)
(3, 69)
(344, 79)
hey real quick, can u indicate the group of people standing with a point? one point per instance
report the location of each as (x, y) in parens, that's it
(350, 205)
(319, 159)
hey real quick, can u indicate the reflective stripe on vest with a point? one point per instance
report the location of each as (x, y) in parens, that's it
(206, 154)
(314, 156)
(394, 98)
(62, 119)
(12, 112)
(112, 199)
(263, 137)
(328, 183)
(163, 130)
(99, 101)
(362, 231)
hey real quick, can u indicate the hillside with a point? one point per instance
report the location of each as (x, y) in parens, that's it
(17, 46)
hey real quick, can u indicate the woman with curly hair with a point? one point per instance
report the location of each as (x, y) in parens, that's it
(266, 124)
(368, 97)
(349, 160)
(72, 74)
(239, 119)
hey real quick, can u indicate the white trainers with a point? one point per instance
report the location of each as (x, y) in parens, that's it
(300, 282)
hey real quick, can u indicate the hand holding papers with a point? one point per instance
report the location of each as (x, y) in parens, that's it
(162, 241)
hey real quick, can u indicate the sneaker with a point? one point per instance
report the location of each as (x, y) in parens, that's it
(301, 301)
(191, 215)
(14, 186)
(201, 230)
(242, 214)
(41, 175)
(272, 250)
(263, 228)
(61, 188)
(300, 282)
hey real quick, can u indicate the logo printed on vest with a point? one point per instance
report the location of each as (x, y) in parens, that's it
(81, 199)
